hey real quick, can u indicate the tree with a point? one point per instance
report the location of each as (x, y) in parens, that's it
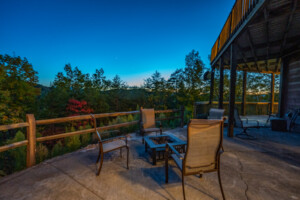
(17, 89)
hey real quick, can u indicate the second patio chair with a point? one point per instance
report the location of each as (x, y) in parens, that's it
(215, 113)
(245, 124)
(148, 122)
(109, 145)
(203, 150)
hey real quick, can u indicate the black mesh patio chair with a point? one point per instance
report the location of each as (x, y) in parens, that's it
(245, 124)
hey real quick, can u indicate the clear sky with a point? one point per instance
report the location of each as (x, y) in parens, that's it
(131, 38)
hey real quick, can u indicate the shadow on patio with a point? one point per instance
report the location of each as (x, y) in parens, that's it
(267, 168)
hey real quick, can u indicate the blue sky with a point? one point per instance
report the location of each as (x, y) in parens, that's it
(129, 38)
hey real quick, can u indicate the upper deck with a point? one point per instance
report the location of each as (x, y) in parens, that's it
(264, 31)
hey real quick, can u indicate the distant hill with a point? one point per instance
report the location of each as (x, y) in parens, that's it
(44, 89)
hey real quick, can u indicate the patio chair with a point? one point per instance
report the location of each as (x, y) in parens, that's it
(148, 123)
(203, 150)
(109, 145)
(245, 124)
(215, 113)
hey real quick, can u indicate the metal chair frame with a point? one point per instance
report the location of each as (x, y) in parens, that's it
(101, 142)
(171, 149)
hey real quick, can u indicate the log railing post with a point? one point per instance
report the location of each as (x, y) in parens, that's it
(182, 116)
(31, 137)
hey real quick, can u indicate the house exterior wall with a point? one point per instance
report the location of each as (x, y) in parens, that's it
(292, 92)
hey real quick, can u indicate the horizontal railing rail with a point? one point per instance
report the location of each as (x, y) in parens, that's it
(252, 108)
(238, 14)
(31, 124)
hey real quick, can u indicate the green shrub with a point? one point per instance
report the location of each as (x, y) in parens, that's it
(41, 153)
(73, 142)
(58, 149)
(18, 154)
(85, 138)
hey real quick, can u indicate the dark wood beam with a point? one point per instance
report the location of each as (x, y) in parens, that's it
(283, 86)
(233, 65)
(244, 93)
(266, 15)
(287, 28)
(242, 55)
(221, 83)
(212, 84)
(272, 93)
(250, 41)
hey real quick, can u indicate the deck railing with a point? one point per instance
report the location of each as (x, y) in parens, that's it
(238, 14)
(252, 108)
(31, 125)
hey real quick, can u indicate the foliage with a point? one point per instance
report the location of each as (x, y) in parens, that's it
(17, 89)
(73, 142)
(41, 153)
(57, 149)
(18, 155)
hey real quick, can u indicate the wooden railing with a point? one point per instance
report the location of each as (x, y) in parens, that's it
(238, 14)
(31, 124)
(252, 108)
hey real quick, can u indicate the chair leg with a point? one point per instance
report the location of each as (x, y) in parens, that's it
(121, 152)
(98, 155)
(220, 182)
(101, 162)
(182, 180)
(127, 156)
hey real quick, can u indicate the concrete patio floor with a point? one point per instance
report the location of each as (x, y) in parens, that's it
(266, 168)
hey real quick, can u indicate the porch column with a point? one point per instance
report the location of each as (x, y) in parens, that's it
(233, 65)
(283, 86)
(244, 93)
(272, 93)
(212, 84)
(221, 83)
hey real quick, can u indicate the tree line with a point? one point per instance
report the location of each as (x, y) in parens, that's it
(73, 92)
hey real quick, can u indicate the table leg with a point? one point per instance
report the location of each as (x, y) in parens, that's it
(154, 156)
(167, 165)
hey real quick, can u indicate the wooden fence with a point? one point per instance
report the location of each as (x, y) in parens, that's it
(252, 108)
(238, 14)
(31, 125)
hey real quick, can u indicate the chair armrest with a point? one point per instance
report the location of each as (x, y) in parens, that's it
(159, 124)
(254, 121)
(175, 151)
(115, 138)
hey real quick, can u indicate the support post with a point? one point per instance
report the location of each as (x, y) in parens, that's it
(221, 83)
(212, 85)
(283, 86)
(182, 116)
(244, 93)
(233, 66)
(272, 93)
(31, 137)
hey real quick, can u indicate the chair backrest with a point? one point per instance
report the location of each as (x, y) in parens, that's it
(237, 120)
(148, 118)
(96, 130)
(215, 113)
(204, 141)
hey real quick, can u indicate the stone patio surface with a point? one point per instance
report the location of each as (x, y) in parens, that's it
(266, 168)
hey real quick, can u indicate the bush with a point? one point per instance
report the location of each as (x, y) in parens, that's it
(41, 153)
(73, 143)
(57, 150)
(18, 154)
(85, 138)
